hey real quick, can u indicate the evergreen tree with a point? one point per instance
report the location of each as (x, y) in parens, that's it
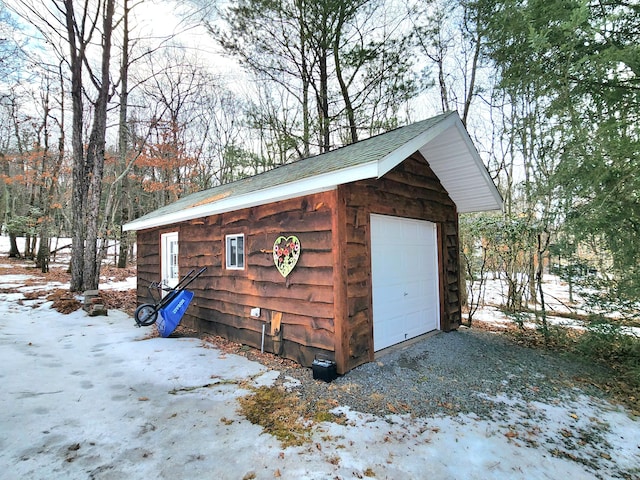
(583, 59)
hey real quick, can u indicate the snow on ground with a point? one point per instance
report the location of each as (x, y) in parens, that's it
(61, 262)
(128, 284)
(9, 281)
(94, 397)
(90, 397)
(555, 289)
(557, 302)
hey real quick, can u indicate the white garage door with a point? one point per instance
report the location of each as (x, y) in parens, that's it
(404, 269)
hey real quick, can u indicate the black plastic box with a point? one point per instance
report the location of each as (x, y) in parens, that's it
(324, 369)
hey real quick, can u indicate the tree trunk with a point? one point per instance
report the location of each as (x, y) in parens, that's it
(306, 82)
(123, 250)
(344, 90)
(323, 103)
(79, 174)
(543, 244)
(13, 243)
(477, 34)
(95, 158)
(123, 136)
(46, 189)
(87, 168)
(42, 258)
(444, 96)
(29, 246)
(14, 252)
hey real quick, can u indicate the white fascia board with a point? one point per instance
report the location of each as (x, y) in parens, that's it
(307, 186)
(421, 143)
(482, 170)
(400, 154)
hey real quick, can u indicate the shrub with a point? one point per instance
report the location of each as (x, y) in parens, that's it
(613, 345)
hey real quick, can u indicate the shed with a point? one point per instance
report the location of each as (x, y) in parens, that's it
(339, 255)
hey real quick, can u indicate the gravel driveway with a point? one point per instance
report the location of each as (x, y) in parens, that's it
(534, 398)
(452, 373)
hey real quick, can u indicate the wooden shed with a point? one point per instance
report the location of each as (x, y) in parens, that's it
(338, 255)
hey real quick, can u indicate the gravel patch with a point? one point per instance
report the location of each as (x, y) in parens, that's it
(468, 371)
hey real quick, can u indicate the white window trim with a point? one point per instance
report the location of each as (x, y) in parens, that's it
(227, 246)
(165, 262)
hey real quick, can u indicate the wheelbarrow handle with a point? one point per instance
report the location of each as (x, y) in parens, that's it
(190, 278)
(185, 278)
(181, 285)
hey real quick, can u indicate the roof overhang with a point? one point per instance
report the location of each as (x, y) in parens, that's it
(308, 186)
(454, 159)
(446, 146)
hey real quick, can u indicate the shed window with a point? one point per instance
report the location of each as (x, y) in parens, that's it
(235, 252)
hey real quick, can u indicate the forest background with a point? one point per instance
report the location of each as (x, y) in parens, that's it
(110, 109)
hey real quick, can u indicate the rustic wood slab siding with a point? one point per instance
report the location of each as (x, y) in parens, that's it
(340, 276)
(224, 298)
(148, 261)
(410, 190)
(324, 306)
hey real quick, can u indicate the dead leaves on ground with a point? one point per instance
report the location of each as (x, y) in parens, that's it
(67, 302)
(267, 359)
(64, 301)
(125, 300)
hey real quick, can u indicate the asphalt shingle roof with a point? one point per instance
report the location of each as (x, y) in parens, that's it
(442, 139)
(361, 152)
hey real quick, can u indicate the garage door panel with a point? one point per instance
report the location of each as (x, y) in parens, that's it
(404, 279)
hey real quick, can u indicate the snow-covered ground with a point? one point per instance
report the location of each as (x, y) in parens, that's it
(92, 397)
(557, 303)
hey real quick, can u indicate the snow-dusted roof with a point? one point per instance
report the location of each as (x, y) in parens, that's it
(442, 140)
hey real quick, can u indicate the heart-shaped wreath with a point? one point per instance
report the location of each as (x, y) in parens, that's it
(286, 251)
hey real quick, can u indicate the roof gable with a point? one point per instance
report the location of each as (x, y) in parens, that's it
(442, 140)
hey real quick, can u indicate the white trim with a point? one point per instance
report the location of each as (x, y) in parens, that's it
(227, 252)
(468, 184)
(482, 170)
(307, 186)
(399, 155)
(166, 239)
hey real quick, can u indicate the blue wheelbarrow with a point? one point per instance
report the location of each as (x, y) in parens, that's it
(168, 310)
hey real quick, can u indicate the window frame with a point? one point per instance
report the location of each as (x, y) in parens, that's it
(167, 257)
(238, 255)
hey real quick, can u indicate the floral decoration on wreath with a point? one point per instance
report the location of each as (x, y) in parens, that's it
(286, 251)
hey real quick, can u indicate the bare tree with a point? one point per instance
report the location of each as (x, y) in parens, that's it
(51, 165)
(123, 137)
(449, 35)
(11, 59)
(337, 64)
(88, 165)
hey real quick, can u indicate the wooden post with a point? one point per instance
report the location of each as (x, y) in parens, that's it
(339, 245)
